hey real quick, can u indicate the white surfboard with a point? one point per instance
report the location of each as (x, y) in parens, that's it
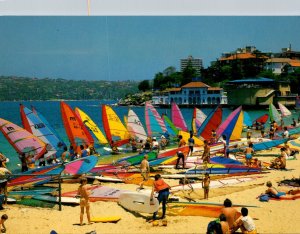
(104, 178)
(138, 202)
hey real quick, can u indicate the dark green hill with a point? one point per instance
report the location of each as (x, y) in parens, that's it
(22, 88)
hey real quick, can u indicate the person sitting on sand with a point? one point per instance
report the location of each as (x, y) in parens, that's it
(224, 224)
(4, 217)
(245, 222)
(84, 193)
(271, 191)
(280, 162)
(230, 213)
(162, 188)
(291, 153)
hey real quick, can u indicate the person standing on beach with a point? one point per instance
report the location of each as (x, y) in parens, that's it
(206, 153)
(145, 170)
(24, 166)
(84, 200)
(163, 190)
(191, 143)
(249, 151)
(65, 157)
(230, 213)
(205, 185)
(4, 173)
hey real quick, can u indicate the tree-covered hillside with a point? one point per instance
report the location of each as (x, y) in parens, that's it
(20, 88)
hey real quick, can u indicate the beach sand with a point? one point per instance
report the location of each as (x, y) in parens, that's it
(270, 217)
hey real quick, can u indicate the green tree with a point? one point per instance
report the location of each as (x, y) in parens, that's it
(144, 85)
(188, 74)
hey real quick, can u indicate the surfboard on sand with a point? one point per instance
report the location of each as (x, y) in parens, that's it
(138, 202)
(105, 219)
(65, 200)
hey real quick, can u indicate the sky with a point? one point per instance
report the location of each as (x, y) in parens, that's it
(69, 44)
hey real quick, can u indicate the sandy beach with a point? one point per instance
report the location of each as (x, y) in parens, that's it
(270, 217)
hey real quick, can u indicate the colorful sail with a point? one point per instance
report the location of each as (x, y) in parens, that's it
(154, 123)
(274, 114)
(177, 117)
(116, 133)
(22, 140)
(186, 136)
(262, 119)
(247, 120)
(212, 122)
(171, 128)
(33, 124)
(91, 125)
(284, 111)
(233, 125)
(75, 129)
(197, 120)
(135, 126)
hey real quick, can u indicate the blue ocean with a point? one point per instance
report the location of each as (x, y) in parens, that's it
(51, 111)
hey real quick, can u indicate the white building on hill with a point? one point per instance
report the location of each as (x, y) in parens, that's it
(193, 93)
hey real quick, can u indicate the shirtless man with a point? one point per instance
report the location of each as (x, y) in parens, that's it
(145, 169)
(84, 200)
(206, 152)
(230, 213)
(249, 151)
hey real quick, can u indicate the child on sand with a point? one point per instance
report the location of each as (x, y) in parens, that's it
(205, 185)
(249, 151)
(2, 226)
(84, 200)
(245, 222)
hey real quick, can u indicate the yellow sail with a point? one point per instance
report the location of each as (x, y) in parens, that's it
(90, 124)
(186, 136)
(238, 128)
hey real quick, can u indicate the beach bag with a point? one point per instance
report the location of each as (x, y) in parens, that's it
(264, 198)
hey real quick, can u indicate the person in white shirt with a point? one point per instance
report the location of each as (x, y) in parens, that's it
(245, 222)
(286, 133)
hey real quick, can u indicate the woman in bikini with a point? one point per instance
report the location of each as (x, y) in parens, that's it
(84, 200)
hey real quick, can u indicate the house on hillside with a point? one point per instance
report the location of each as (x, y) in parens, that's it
(278, 65)
(259, 92)
(193, 93)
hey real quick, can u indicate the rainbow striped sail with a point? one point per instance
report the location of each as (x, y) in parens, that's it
(154, 123)
(171, 128)
(177, 117)
(22, 140)
(197, 120)
(91, 125)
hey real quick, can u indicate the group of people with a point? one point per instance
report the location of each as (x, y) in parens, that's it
(230, 220)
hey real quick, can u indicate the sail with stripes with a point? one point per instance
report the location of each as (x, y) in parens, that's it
(177, 117)
(135, 126)
(274, 114)
(22, 140)
(284, 111)
(116, 133)
(33, 124)
(171, 128)
(198, 119)
(91, 125)
(154, 123)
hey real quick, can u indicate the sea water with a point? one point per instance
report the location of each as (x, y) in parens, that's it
(51, 111)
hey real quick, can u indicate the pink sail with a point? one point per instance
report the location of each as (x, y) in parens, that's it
(177, 117)
(22, 140)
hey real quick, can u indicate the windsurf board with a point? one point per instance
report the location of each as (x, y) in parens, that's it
(105, 219)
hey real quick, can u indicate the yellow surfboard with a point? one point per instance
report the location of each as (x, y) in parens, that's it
(106, 219)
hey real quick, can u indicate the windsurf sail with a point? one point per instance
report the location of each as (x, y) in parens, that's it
(284, 111)
(247, 120)
(212, 122)
(274, 114)
(91, 125)
(116, 133)
(135, 126)
(22, 140)
(197, 120)
(171, 128)
(33, 124)
(262, 119)
(177, 117)
(75, 129)
(233, 125)
(154, 123)
(186, 136)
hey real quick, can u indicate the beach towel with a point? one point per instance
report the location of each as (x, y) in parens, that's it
(264, 198)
